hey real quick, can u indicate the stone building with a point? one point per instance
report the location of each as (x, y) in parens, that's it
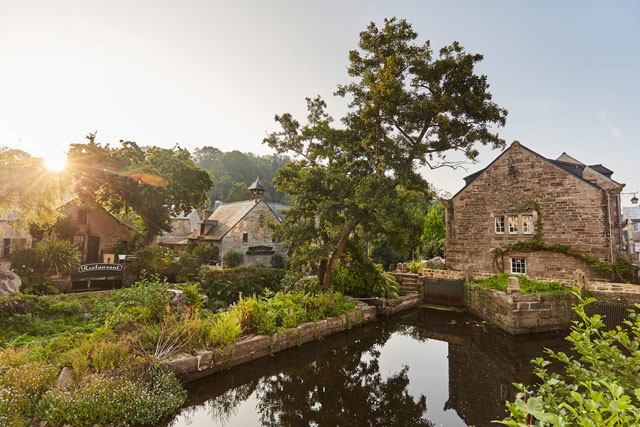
(97, 233)
(242, 227)
(12, 237)
(181, 227)
(524, 197)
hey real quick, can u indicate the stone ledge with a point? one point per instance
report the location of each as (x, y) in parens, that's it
(386, 307)
(206, 362)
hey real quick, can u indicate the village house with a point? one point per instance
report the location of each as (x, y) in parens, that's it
(242, 227)
(631, 232)
(181, 227)
(524, 197)
(98, 234)
(12, 237)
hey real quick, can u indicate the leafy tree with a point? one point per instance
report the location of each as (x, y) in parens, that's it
(29, 192)
(434, 234)
(238, 192)
(232, 172)
(407, 109)
(155, 183)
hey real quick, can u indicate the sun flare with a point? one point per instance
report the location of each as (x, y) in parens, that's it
(55, 162)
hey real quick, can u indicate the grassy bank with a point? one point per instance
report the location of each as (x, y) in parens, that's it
(501, 282)
(114, 344)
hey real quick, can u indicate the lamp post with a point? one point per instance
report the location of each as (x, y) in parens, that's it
(634, 199)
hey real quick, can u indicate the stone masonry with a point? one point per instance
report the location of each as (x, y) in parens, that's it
(574, 211)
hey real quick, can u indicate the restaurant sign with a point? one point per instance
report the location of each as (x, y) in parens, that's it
(86, 268)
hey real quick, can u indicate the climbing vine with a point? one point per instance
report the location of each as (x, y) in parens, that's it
(621, 269)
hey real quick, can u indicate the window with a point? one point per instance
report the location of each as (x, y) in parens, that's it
(82, 217)
(79, 242)
(500, 224)
(518, 265)
(527, 224)
(513, 224)
(6, 248)
(245, 237)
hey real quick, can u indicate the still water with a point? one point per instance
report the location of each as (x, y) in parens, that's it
(425, 367)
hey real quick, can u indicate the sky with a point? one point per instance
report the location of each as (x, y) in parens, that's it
(215, 73)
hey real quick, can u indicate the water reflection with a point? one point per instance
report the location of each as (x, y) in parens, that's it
(423, 368)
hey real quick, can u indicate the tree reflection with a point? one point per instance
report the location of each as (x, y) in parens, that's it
(343, 387)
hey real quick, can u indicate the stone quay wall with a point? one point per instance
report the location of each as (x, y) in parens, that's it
(386, 306)
(189, 367)
(518, 313)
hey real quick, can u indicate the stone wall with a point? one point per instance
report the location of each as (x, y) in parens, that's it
(388, 306)
(190, 367)
(518, 313)
(99, 224)
(574, 212)
(622, 293)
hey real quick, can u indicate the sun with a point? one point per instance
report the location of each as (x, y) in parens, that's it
(55, 162)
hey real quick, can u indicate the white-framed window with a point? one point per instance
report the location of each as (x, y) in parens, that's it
(513, 224)
(527, 224)
(518, 266)
(499, 225)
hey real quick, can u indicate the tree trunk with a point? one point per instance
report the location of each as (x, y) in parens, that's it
(335, 256)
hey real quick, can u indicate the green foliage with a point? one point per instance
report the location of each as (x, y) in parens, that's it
(415, 266)
(26, 204)
(224, 287)
(115, 353)
(175, 267)
(276, 312)
(278, 261)
(22, 383)
(384, 254)
(142, 399)
(528, 286)
(233, 259)
(232, 173)
(364, 279)
(152, 259)
(46, 258)
(600, 386)
(206, 253)
(155, 183)
(58, 256)
(407, 110)
(433, 234)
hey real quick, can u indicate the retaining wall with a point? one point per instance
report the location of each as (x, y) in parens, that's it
(189, 367)
(386, 307)
(518, 313)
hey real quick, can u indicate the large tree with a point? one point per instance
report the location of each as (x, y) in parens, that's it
(29, 192)
(408, 109)
(153, 182)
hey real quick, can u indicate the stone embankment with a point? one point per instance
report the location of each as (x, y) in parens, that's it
(386, 307)
(190, 367)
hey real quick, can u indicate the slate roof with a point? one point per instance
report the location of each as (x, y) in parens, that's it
(227, 216)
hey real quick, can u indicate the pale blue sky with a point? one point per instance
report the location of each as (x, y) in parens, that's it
(215, 73)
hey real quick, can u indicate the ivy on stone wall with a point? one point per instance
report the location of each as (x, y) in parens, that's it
(620, 270)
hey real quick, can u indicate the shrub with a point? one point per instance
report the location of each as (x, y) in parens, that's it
(152, 259)
(142, 399)
(278, 261)
(501, 282)
(415, 266)
(233, 259)
(599, 387)
(364, 279)
(22, 383)
(59, 256)
(223, 287)
(206, 254)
